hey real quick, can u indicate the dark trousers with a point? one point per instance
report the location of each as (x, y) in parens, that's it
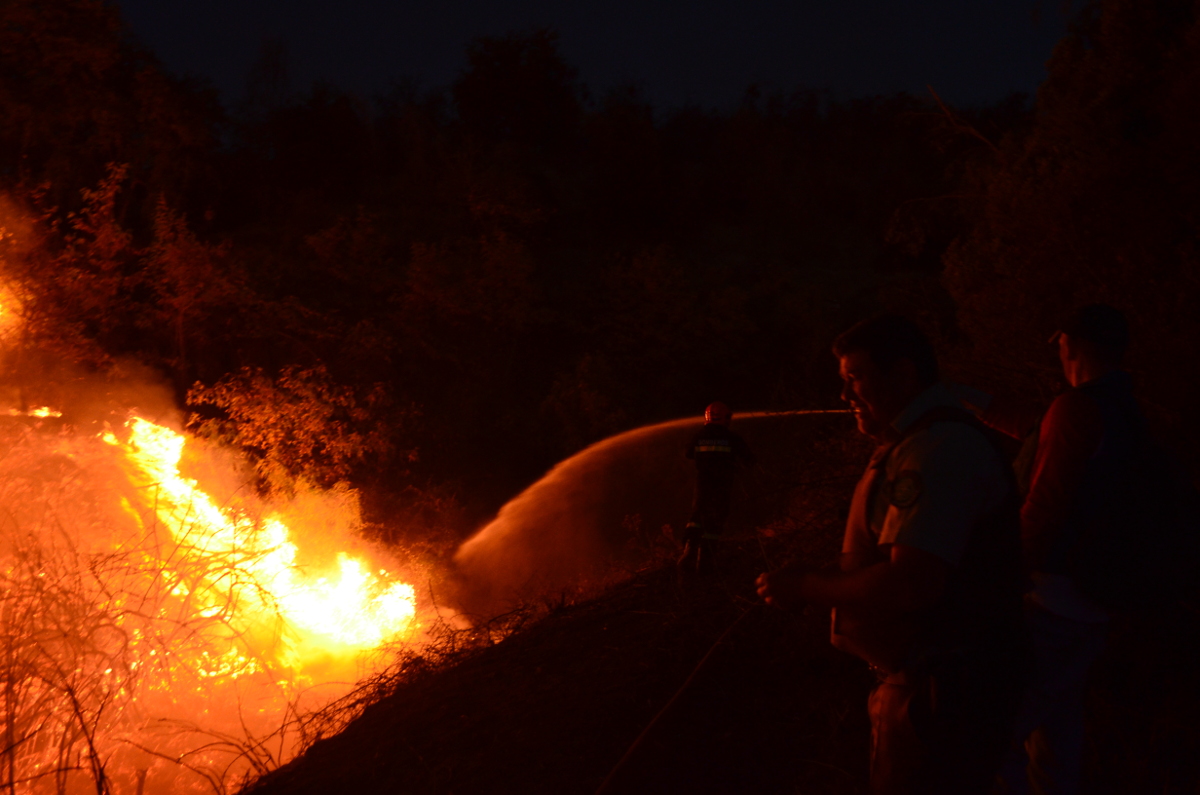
(710, 509)
(1046, 756)
(943, 730)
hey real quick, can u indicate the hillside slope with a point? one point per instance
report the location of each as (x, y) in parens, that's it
(553, 708)
(775, 709)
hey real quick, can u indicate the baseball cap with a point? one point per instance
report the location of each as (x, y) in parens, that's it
(1100, 324)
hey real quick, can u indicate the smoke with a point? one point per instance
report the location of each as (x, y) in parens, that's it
(574, 523)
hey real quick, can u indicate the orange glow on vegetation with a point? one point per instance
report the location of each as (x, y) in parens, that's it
(350, 609)
(163, 639)
(10, 319)
(42, 412)
(163, 629)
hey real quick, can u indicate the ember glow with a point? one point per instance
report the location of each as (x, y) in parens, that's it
(158, 638)
(40, 413)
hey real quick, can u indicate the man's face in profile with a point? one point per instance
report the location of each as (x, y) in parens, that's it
(871, 393)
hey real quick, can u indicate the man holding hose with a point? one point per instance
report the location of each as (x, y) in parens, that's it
(927, 590)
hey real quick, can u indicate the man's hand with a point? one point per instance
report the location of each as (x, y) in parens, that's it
(910, 579)
(782, 588)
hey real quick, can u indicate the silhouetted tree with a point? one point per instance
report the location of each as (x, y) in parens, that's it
(525, 267)
(517, 89)
(76, 93)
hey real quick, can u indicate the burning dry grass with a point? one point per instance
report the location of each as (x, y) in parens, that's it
(154, 640)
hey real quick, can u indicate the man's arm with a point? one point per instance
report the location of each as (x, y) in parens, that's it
(910, 579)
(853, 561)
(1069, 437)
(945, 478)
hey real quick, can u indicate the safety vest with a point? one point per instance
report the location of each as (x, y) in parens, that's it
(980, 609)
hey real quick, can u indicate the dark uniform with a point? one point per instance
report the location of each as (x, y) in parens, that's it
(948, 675)
(716, 451)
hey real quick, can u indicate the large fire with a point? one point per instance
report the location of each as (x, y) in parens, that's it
(352, 609)
(158, 638)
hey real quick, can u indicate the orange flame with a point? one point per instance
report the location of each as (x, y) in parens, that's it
(158, 635)
(154, 638)
(40, 413)
(346, 610)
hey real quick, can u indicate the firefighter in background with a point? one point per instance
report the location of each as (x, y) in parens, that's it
(716, 450)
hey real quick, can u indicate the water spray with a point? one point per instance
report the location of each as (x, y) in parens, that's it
(565, 528)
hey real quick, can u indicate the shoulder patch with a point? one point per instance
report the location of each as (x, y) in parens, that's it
(905, 489)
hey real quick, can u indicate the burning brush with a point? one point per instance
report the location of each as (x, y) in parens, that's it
(155, 638)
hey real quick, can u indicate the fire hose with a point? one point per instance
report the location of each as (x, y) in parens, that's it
(605, 786)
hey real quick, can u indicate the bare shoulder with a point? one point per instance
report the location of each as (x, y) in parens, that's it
(1073, 403)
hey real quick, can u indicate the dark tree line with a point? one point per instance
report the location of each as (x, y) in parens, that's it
(467, 285)
(1099, 202)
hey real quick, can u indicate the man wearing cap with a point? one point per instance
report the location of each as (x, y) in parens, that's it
(927, 589)
(1063, 466)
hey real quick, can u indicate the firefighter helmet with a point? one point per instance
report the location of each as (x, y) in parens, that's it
(717, 414)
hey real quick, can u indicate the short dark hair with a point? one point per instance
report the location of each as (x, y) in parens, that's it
(1100, 324)
(887, 339)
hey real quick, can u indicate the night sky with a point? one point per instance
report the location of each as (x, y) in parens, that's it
(705, 51)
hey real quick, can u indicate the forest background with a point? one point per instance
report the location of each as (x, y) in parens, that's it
(434, 296)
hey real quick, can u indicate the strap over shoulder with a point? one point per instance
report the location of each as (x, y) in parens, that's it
(954, 414)
(943, 414)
